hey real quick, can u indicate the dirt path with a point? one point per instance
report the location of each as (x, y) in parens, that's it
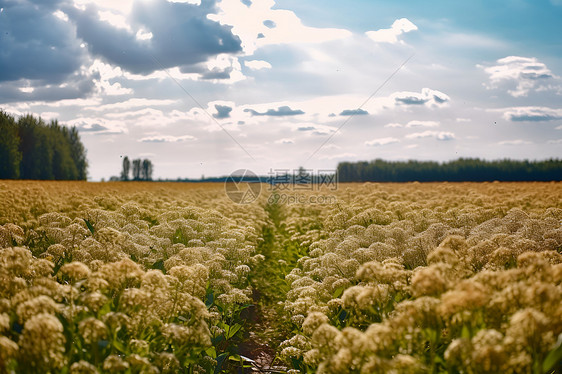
(267, 325)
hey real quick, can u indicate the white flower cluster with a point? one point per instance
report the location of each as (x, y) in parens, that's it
(432, 277)
(115, 283)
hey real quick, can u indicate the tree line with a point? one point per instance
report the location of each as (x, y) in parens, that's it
(30, 148)
(141, 169)
(461, 170)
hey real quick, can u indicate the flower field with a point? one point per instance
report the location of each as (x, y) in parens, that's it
(175, 277)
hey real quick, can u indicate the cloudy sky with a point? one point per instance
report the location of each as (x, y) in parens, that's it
(207, 87)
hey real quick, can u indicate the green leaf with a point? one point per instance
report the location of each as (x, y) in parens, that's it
(106, 308)
(90, 227)
(465, 332)
(338, 292)
(159, 265)
(119, 346)
(210, 299)
(342, 316)
(297, 364)
(212, 352)
(220, 361)
(216, 340)
(554, 357)
(233, 330)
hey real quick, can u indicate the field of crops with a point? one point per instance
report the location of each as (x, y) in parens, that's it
(132, 277)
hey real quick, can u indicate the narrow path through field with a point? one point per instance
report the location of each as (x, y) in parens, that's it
(267, 325)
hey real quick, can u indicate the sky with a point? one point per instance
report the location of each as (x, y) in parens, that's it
(207, 87)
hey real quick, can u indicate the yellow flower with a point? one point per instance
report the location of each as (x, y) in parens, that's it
(42, 342)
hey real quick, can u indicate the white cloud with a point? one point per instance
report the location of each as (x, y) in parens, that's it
(154, 118)
(399, 27)
(27, 89)
(531, 114)
(556, 141)
(145, 112)
(161, 75)
(285, 141)
(61, 15)
(257, 64)
(313, 128)
(13, 111)
(114, 19)
(463, 120)
(70, 102)
(439, 135)
(223, 68)
(339, 156)
(194, 2)
(258, 25)
(47, 116)
(113, 89)
(320, 108)
(224, 63)
(98, 126)
(323, 110)
(106, 73)
(381, 141)
(428, 97)
(146, 117)
(143, 35)
(132, 103)
(422, 124)
(526, 72)
(121, 6)
(514, 142)
(166, 139)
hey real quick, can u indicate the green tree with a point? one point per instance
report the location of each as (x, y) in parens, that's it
(137, 169)
(456, 171)
(64, 167)
(10, 155)
(78, 153)
(146, 172)
(36, 148)
(47, 151)
(126, 168)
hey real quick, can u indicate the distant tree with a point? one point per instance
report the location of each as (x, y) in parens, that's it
(64, 167)
(126, 168)
(137, 166)
(31, 149)
(78, 153)
(455, 171)
(10, 155)
(146, 172)
(36, 147)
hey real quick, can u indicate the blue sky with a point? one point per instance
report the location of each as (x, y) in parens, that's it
(208, 87)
